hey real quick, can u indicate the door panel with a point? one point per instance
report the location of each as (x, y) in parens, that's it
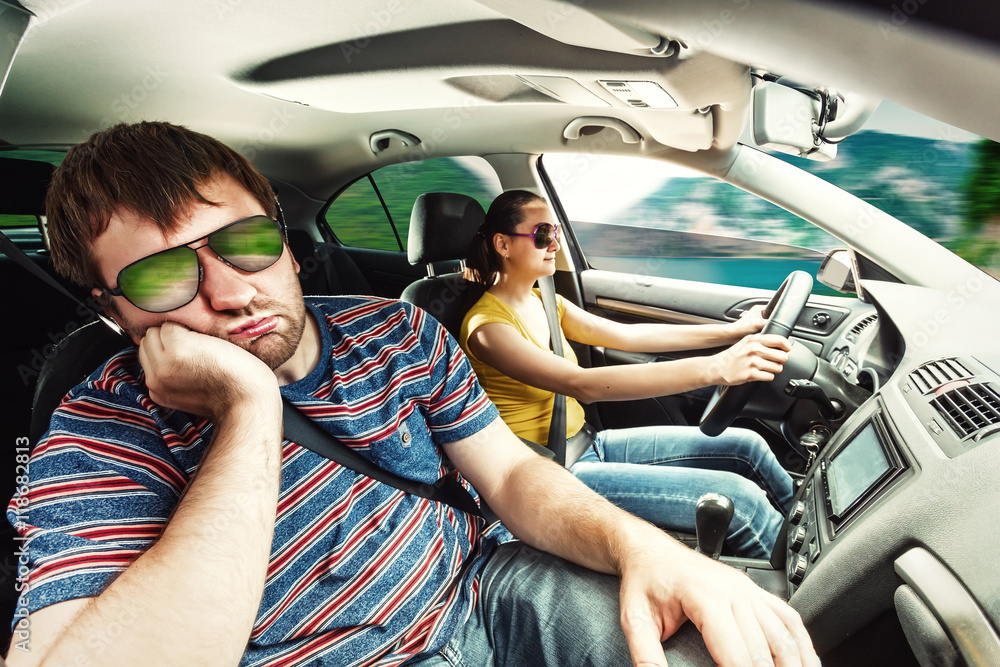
(631, 298)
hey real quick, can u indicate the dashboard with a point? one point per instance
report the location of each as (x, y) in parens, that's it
(899, 514)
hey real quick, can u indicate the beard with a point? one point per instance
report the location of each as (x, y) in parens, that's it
(275, 347)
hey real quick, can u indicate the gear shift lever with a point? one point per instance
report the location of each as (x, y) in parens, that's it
(711, 521)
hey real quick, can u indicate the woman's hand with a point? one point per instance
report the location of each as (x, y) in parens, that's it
(755, 358)
(750, 321)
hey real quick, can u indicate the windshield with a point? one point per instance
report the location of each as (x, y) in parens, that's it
(673, 222)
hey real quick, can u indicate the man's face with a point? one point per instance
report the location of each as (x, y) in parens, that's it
(262, 312)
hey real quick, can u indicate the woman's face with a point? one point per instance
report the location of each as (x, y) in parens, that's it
(524, 256)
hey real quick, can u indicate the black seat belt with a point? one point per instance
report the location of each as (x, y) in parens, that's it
(557, 427)
(20, 258)
(303, 431)
(297, 427)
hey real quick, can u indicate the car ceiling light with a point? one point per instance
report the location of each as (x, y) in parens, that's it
(640, 94)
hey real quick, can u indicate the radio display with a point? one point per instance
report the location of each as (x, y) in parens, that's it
(865, 464)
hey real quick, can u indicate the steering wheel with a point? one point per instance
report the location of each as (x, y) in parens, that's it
(781, 312)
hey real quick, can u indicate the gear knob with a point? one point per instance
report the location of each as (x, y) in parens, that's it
(711, 521)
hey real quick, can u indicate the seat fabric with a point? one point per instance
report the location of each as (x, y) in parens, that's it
(442, 225)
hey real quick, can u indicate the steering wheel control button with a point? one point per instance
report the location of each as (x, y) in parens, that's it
(797, 569)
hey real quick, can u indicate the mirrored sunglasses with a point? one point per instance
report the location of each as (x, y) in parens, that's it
(543, 235)
(171, 278)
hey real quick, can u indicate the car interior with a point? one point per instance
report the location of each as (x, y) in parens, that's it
(387, 126)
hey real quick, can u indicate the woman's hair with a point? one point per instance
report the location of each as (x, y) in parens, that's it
(506, 213)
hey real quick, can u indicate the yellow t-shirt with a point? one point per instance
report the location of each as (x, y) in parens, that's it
(525, 409)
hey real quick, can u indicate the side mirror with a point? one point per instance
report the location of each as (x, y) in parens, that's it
(836, 271)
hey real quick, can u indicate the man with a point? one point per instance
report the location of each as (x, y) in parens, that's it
(168, 523)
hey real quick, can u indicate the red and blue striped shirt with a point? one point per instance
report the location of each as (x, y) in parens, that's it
(360, 573)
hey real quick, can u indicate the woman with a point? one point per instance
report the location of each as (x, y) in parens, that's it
(657, 473)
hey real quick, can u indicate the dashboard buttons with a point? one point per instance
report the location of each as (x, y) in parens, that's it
(813, 549)
(797, 538)
(797, 569)
(795, 514)
(821, 320)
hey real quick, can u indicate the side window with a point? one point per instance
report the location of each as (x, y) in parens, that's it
(672, 222)
(12, 221)
(374, 212)
(9, 220)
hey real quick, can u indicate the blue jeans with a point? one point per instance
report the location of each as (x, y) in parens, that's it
(535, 609)
(659, 472)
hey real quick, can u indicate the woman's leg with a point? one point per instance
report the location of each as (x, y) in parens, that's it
(736, 450)
(658, 473)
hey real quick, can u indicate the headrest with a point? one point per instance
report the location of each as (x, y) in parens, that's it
(442, 226)
(22, 186)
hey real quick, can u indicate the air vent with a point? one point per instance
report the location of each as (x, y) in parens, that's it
(970, 408)
(933, 374)
(863, 324)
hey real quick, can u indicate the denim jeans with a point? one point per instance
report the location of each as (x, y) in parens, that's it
(537, 610)
(659, 472)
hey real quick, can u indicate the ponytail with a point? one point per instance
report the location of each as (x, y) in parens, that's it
(483, 262)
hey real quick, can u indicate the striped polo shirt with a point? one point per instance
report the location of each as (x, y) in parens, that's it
(360, 573)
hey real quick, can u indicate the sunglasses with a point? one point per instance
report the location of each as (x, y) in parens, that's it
(543, 234)
(170, 278)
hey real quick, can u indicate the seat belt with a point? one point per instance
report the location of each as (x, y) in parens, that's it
(297, 427)
(557, 427)
(21, 258)
(304, 431)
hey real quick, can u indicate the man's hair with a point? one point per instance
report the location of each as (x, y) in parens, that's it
(149, 169)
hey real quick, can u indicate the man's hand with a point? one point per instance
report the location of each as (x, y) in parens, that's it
(740, 623)
(755, 358)
(200, 374)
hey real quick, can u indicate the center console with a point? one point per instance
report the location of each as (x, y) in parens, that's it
(849, 477)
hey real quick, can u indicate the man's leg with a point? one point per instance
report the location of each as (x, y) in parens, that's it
(540, 610)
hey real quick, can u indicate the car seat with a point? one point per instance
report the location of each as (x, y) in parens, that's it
(442, 225)
(325, 268)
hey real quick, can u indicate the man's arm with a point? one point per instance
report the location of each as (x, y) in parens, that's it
(192, 597)
(663, 582)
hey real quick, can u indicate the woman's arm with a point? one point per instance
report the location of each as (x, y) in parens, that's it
(583, 327)
(753, 358)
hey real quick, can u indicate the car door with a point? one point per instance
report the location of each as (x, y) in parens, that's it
(656, 243)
